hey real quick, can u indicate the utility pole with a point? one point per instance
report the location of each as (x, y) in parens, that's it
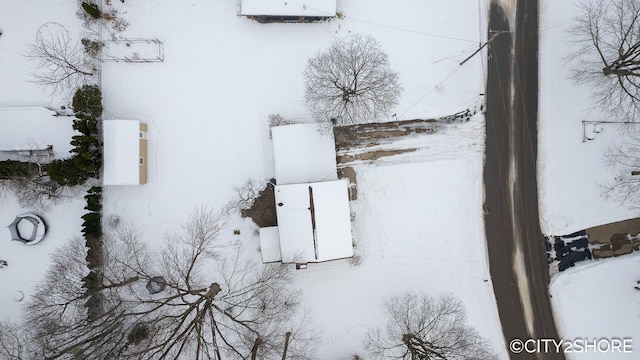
(495, 35)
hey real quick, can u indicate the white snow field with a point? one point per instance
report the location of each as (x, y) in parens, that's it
(597, 300)
(570, 172)
(207, 106)
(594, 299)
(418, 225)
(22, 101)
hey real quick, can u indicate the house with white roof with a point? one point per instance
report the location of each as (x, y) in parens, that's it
(34, 131)
(288, 10)
(312, 204)
(124, 152)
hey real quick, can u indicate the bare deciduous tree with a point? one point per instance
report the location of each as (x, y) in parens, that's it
(421, 327)
(214, 304)
(351, 82)
(12, 345)
(606, 56)
(623, 157)
(61, 64)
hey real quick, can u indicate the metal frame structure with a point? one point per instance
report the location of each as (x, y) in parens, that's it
(135, 56)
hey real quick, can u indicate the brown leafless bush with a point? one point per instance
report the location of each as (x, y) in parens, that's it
(37, 193)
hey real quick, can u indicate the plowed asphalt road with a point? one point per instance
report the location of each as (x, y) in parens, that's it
(515, 243)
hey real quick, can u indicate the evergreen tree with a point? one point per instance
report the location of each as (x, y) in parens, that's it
(66, 173)
(87, 102)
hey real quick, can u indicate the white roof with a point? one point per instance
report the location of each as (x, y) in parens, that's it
(270, 244)
(121, 152)
(288, 7)
(35, 128)
(303, 153)
(301, 206)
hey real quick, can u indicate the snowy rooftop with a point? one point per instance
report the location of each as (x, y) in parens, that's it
(35, 128)
(314, 222)
(270, 244)
(289, 7)
(303, 153)
(121, 152)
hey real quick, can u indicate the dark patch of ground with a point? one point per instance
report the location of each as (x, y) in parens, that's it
(263, 209)
(372, 155)
(349, 173)
(615, 239)
(364, 135)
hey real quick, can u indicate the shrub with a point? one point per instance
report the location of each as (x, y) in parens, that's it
(66, 172)
(92, 231)
(91, 47)
(93, 198)
(87, 102)
(10, 169)
(86, 127)
(92, 10)
(89, 162)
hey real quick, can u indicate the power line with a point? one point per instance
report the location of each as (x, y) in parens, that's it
(395, 28)
(430, 91)
(426, 268)
(410, 31)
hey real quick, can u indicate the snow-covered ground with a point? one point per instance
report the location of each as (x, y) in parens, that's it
(27, 264)
(19, 22)
(418, 225)
(418, 220)
(594, 299)
(598, 301)
(207, 104)
(569, 171)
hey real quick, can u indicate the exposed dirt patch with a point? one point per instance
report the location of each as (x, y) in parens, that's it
(372, 155)
(366, 135)
(263, 209)
(615, 239)
(349, 173)
(619, 244)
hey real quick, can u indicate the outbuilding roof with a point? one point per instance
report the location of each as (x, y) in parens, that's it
(303, 153)
(35, 128)
(121, 152)
(323, 8)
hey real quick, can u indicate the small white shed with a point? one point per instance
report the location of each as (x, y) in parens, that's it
(283, 10)
(125, 152)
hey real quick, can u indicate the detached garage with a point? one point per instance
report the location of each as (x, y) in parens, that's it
(266, 11)
(125, 152)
